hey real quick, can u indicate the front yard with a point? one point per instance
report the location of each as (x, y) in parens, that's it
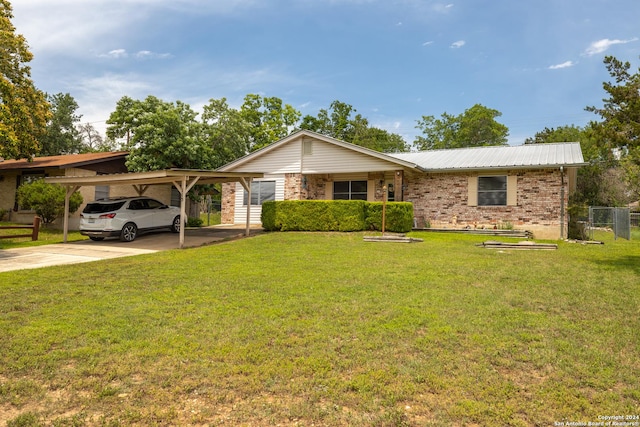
(325, 329)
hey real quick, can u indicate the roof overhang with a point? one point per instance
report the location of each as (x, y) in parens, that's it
(166, 176)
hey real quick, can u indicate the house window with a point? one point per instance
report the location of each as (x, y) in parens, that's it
(350, 190)
(261, 191)
(102, 192)
(492, 191)
(176, 198)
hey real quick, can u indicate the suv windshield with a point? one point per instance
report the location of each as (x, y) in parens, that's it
(94, 208)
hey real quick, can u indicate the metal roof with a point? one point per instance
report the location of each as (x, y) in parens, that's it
(501, 157)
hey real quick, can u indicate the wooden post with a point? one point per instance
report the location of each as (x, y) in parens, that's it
(384, 207)
(36, 228)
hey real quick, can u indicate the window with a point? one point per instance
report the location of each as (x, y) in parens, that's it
(492, 191)
(350, 190)
(102, 192)
(261, 191)
(176, 198)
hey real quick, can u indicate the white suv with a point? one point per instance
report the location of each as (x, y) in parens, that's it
(126, 217)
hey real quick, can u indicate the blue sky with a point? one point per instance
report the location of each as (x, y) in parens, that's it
(538, 62)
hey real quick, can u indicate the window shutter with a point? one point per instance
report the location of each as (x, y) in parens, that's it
(371, 190)
(473, 191)
(328, 190)
(512, 190)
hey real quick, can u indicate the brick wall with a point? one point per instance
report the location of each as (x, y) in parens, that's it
(442, 201)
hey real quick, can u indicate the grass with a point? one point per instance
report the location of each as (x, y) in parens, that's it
(46, 236)
(325, 329)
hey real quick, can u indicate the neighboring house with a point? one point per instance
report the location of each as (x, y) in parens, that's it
(15, 172)
(526, 187)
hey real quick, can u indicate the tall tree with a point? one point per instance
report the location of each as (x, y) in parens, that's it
(601, 182)
(619, 130)
(23, 109)
(225, 131)
(269, 119)
(62, 136)
(476, 127)
(92, 140)
(160, 135)
(338, 123)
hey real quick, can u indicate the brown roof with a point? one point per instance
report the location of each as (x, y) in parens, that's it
(61, 162)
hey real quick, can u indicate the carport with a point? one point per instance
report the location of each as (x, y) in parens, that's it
(182, 179)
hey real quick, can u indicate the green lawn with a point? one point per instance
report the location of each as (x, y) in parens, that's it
(46, 236)
(326, 330)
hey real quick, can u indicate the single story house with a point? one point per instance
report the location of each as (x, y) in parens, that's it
(15, 172)
(526, 186)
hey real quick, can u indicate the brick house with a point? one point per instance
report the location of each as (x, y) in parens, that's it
(15, 172)
(526, 186)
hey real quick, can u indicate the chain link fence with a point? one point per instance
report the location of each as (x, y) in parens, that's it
(616, 219)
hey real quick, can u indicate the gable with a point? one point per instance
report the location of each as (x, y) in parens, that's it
(310, 155)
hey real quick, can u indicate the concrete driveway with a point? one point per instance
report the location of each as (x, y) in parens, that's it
(87, 250)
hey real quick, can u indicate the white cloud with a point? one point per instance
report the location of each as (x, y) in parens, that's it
(565, 64)
(427, 43)
(604, 44)
(458, 44)
(443, 8)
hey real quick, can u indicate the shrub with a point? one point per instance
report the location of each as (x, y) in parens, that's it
(398, 216)
(194, 222)
(3, 213)
(334, 215)
(47, 200)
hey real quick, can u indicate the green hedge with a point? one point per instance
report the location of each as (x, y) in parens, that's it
(335, 215)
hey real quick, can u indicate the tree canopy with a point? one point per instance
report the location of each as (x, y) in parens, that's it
(23, 108)
(159, 134)
(338, 123)
(476, 127)
(62, 135)
(619, 130)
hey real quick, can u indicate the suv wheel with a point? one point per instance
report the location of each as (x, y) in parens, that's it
(129, 232)
(175, 225)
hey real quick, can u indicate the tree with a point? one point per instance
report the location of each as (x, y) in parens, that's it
(62, 136)
(619, 131)
(160, 135)
(476, 127)
(338, 123)
(92, 140)
(23, 109)
(600, 183)
(225, 131)
(268, 118)
(47, 199)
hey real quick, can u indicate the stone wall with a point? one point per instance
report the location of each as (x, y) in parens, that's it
(228, 203)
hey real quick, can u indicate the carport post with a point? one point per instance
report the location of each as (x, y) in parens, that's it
(183, 188)
(247, 186)
(65, 228)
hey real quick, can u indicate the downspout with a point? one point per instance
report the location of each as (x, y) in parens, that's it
(562, 213)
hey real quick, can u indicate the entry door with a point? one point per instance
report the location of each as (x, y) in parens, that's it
(391, 193)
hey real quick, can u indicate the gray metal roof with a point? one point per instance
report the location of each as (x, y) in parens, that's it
(502, 157)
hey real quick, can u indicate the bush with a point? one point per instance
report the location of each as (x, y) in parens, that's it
(47, 200)
(3, 213)
(398, 216)
(194, 222)
(334, 215)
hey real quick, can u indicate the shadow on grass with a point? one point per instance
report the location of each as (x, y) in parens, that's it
(629, 262)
